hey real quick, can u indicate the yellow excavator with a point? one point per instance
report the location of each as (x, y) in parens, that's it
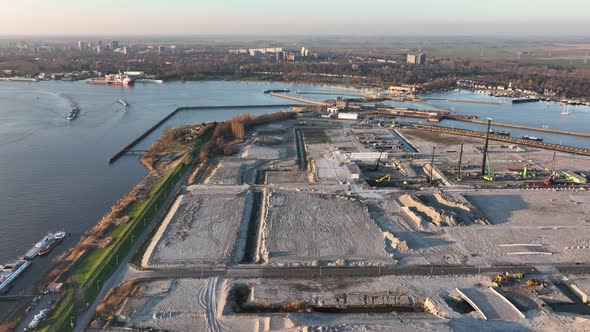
(384, 178)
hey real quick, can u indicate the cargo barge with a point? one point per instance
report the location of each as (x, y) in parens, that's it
(499, 132)
(525, 100)
(277, 91)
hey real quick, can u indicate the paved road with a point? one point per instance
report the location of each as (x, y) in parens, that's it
(253, 271)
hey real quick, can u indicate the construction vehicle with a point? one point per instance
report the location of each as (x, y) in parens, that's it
(504, 278)
(384, 178)
(532, 282)
(489, 175)
(526, 172)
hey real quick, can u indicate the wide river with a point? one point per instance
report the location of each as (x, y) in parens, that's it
(54, 173)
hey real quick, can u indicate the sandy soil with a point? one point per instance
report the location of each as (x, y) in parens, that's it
(422, 247)
(230, 171)
(306, 227)
(203, 229)
(189, 305)
(533, 207)
(172, 305)
(260, 152)
(183, 305)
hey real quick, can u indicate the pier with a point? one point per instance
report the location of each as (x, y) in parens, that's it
(508, 139)
(129, 148)
(469, 101)
(516, 126)
(301, 100)
(328, 93)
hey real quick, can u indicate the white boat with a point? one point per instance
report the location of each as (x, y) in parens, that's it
(43, 244)
(123, 102)
(146, 80)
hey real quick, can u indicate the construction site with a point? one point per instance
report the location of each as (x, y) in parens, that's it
(321, 223)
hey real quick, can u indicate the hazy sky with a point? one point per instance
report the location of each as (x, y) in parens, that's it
(296, 17)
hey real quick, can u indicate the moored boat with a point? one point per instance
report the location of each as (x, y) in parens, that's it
(532, 138)
(113, 79)
(57, 238)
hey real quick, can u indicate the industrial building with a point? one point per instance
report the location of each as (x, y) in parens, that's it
(348, 116)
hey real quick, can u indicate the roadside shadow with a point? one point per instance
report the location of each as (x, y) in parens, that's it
(498, 208)
(420, 240)
(480, 325)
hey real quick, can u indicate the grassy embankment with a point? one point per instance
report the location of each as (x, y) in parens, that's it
(98, 266)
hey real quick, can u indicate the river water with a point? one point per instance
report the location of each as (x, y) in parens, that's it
(54, 173)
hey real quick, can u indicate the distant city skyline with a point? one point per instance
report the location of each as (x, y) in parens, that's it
(266, 17)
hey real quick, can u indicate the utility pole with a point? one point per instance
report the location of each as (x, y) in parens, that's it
(432, 166)
(459, 176)
(485, 148)
(553, 163)
(379, 159)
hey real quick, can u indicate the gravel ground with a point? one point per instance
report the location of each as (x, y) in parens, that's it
(230, 171)
(169, 305)
(306, 227)
(204, 228)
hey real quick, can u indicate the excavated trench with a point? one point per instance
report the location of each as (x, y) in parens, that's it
(239, 296)
(250, 252)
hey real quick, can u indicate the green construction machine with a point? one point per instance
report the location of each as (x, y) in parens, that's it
(489, 175)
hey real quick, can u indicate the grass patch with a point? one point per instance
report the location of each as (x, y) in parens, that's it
(97, 267)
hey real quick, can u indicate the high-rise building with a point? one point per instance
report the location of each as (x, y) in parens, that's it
(416, 59)
(80, 45)
(125, 50)
(304, 52)
(421, 59)
(114, 45)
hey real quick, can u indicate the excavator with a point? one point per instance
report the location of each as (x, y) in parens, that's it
(506, 278)
(384, 178)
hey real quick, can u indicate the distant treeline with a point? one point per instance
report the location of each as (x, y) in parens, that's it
(217, 65)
